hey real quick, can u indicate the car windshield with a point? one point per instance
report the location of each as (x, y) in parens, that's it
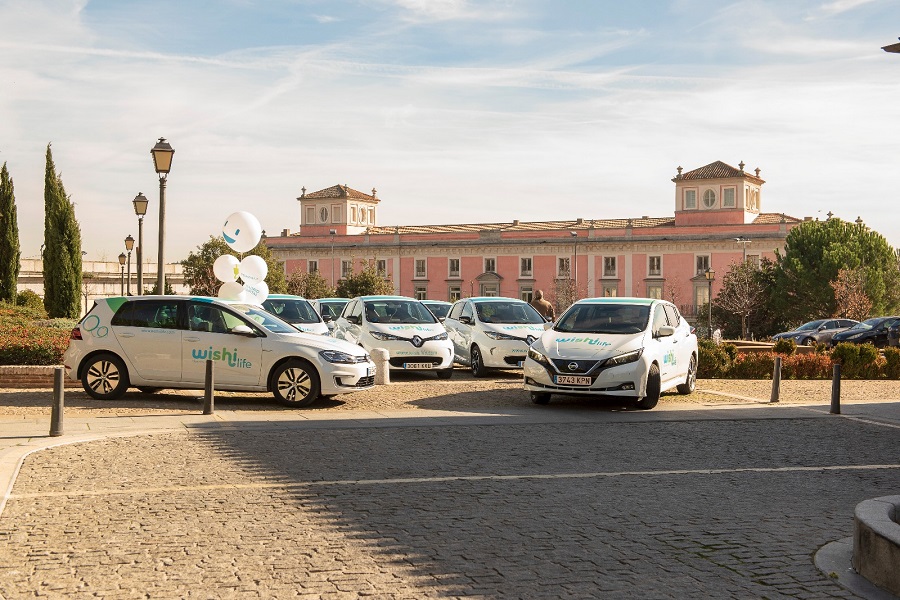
(263, 318)
(604, 318)
(866, 325)
(332, 309)
(398, 311)
(292, 310)
(507, 312)
(439, 310)
(810, 325)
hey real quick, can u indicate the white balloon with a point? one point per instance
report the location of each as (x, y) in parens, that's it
(231, 290)
(227, 268)
(241, 231)
(253, 269)
(256, 293)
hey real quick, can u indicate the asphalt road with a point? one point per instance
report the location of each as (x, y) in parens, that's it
(573, 503)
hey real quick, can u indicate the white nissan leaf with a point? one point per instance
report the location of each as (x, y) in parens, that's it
(629, 347)
(412, 335)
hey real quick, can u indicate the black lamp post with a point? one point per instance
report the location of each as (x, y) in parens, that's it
(140, 209)
(129, 246)
(710, 277)
(162, 161)
(122, 266)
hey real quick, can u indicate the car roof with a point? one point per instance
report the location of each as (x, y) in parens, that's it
(435, 302)
(284, 297)
(619, 300)
(386, 298)
(332, 300)
(493, 298)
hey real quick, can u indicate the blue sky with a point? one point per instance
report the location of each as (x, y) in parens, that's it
(456, 111)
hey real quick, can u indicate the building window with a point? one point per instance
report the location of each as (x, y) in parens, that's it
(490, 265)
(335, 213)
(562, 266)
(421, 292)
(702, 264)
(312, 266)
(310, 214)
(489, 289)
(353, 214)
(525, 267)
(371, 216)
(728, 197)
(609, 266)
(454, 293)
(654, 266)
(323, 214)
(709, 199)
(454, 267)
(610, 290)
(654, 291)
(381, 267)
(701, 295)
(753, 259)
(690, 199)
(526, 293)
(346, 268)
(420, 268)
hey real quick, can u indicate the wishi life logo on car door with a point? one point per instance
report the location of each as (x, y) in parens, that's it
(225, 355)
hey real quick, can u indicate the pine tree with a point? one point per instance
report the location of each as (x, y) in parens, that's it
(10, 252)
(62, 248)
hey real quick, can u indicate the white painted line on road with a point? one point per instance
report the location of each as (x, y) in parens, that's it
(852, 418)
(445, 479)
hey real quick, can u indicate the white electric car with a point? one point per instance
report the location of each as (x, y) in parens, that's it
(329, 309)
(297, 311)
(412, 335)
(629, 347)
(492, 333)
(155, 342)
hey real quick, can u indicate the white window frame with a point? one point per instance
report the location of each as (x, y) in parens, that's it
(690, 199)
(454, 292)
(523, 272)
(490, 262)
(650, 271)
(371, 212)
(610, 290)
(312, 266)
(346, 268)
(526, 293)
(353, 213)
(655, 290)
(563, 266)
(450, 271)
(310, 215)
(705, 259)
(607, 272)
(490, 290)
(701, 295)
(725, 201)
(381, 267)
(754, 260)
(335, 213)
(707, 195)
(423, 273)
(421, 292)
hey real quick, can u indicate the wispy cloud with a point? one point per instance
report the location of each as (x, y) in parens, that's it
(837, 7)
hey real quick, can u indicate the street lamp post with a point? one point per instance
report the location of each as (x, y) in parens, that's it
(122, 268)
(129, 246)
(332, 232)
(574, 235)
(162, 161)
(140, 209)
(743, 242)
(710, 277)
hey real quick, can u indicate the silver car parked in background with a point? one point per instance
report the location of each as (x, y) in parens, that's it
(816, 332)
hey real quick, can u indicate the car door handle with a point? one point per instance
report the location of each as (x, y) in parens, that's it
(192, 339)
(126, 335)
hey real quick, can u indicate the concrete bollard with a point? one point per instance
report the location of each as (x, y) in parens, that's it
(382, 367)
(56, 413)
(208, 390)
(776, 381)
(836, 390)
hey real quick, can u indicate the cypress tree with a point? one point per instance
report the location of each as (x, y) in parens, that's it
(62, 248)
(10, 252)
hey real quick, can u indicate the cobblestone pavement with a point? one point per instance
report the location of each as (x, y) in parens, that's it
(656, 505)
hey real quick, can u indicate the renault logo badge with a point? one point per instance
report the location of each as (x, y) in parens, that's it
(417, 341)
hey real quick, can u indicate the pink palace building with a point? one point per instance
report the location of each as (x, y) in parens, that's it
(718, 221)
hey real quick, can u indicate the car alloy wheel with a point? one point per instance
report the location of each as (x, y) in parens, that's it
(296, 384)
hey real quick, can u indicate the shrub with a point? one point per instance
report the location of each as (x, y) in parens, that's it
(892, 363)
(858, 361)
(785, 346)
(806, 366)
(31, 300)
(713, 360)
(27, 341)
(753, 365)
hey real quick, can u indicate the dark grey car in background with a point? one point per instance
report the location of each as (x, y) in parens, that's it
(816, 332)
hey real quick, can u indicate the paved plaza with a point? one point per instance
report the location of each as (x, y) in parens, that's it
(568, 501)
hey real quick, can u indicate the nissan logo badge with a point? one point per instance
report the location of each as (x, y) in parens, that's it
(573, 366)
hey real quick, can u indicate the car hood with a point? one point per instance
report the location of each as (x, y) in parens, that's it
(557, 344)
(319, 342)
(519, 330)
(424, 330)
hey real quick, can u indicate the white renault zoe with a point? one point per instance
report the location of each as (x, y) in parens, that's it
(492, 333)
(155, 342)
(630, 347)
(412, 335)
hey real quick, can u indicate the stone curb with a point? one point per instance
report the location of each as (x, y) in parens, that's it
(876, 542)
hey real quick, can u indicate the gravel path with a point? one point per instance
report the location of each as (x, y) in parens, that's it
(409, 391)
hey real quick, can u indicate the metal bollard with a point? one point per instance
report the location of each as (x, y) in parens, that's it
(776, 381)
(56, 412)
(836, 390)
(380, 357)
(208, 394)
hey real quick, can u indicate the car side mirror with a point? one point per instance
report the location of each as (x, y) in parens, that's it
(665, 331)
(327, 318)
(465, 320)
(243, 330)
(353, 319)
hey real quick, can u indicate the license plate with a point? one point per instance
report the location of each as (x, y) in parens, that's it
(370, 371)
(417, 365)
(573, 380)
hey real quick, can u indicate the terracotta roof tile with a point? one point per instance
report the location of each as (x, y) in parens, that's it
(339, 191)
(716, 170)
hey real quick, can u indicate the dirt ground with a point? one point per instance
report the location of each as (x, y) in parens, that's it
(422, 391)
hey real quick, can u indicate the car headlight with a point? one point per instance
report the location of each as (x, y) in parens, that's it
(624, 359)
(384, 336)
(538, 357)
(440, 336)
(500, 336)
(335, 356)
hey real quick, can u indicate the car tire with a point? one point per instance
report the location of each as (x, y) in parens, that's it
(445, 373)
(295, 384)
(808, 341)
(653, 389)
(690, 381)
(540, 397)
(105, 377)
(478, 368)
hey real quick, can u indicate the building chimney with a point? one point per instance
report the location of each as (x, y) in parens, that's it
(515, 222)
(285, 232)
(579, 221)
